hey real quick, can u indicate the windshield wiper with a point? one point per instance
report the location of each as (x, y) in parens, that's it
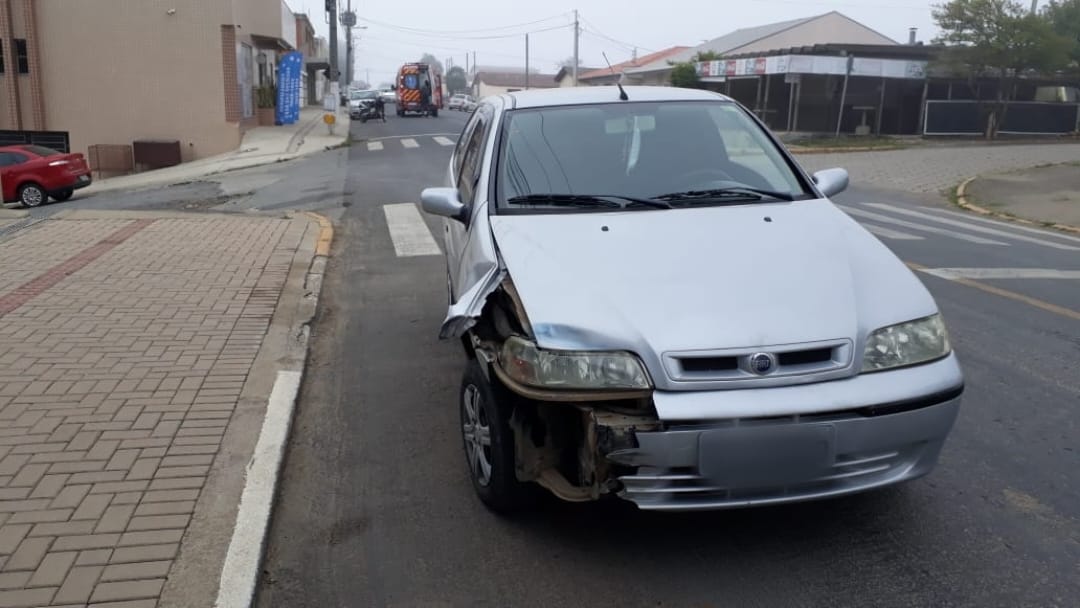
(587, 200)
(735, 192)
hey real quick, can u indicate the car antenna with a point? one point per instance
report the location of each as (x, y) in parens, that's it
(622, 92)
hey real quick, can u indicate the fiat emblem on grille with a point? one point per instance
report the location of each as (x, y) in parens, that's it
(762, 363)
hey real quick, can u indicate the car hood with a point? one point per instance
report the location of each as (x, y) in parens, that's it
(660, 281)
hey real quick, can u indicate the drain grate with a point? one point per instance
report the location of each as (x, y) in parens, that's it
(14, 227)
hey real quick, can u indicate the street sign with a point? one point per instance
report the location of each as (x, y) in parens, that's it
(792, 78)
(348, 19)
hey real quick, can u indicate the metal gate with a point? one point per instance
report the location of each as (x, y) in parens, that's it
(57, 140)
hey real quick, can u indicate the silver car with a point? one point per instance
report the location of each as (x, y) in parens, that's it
(657, 303)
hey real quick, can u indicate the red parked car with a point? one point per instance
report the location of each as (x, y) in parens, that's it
(31, 174)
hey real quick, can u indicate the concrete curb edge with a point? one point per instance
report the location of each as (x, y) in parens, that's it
(963, 202)
(803, 151)
(240, 573)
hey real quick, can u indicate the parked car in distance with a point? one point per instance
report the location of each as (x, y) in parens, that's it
(31, 174)
(470, 105)
(657, 302)
(459, 102)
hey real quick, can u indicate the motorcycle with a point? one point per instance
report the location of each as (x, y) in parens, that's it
(369, 110)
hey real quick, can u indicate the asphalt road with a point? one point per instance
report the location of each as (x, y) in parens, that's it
(376, 509)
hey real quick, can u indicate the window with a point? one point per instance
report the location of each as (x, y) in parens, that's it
(1, 56)
(472, 161)
(462, 143)
(22, 56)
(41, 150)
(8, 159)
(638, 149)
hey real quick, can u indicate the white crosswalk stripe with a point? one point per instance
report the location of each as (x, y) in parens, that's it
(918, 227)
(1019, 227)
(410, 143)
(972, 227)
(443, 141)
(1001, 273)
(891, 234)
(374, 146)
(409, 232)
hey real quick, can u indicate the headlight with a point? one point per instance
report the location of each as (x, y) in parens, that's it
(908, 343)
(529, 365)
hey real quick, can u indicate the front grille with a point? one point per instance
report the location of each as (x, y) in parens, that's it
(736, 364)
(684, 488)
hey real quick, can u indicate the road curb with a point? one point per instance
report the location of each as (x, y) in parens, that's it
(963, 202)
(243, 562)
(800, 150)
(326, 233)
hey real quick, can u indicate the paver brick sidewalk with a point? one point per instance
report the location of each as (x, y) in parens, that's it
(124, 347)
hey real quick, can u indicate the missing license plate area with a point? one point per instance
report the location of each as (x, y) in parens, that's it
(763, 456)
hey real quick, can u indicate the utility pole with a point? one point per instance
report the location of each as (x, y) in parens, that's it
(577, 31)
(348, 45)
(331, 7)
(526, 62)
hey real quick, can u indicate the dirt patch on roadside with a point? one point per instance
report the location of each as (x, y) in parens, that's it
(1049, 194)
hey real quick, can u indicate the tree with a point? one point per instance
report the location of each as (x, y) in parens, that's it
(568, 63)
(685, 74)
(430, 59)
(1064, 17)
(1002, 39)
(456, 81)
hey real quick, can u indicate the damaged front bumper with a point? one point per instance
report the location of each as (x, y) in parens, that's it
(759, 462)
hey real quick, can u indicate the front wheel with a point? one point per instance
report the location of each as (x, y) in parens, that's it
(435, 113)
(32, 195)
(489, 443)
(63, 195)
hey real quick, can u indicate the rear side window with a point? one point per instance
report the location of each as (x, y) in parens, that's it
(41, 150)
(471, 161)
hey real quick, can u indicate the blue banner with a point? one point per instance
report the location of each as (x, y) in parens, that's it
(288, 88)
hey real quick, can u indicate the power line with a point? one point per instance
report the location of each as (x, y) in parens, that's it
(596, 32)
(479, 33)
(492, 37)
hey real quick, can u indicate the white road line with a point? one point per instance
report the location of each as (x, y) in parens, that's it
(410, 143)
(241, 569)
(409, 231)
(892, 220)
(891, 234)
(971, 217)
(972, 227)
(443, 141)
(374, 146)
(1002, 273)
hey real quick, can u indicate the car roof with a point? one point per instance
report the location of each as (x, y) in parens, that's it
(583, 95)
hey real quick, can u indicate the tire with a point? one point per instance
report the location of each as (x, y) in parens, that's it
(363, 119)
(491, 466)
(32, 195)
(435, 113)
(63, 195)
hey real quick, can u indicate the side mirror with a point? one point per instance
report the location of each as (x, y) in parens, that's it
(831, 181)
(444, 202)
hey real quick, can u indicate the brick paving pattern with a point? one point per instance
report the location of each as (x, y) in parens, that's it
(119, 371)
(931, 170)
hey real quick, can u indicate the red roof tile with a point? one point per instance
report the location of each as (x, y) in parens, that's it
(633, 63)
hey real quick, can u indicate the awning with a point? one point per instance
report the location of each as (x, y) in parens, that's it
(269, 42)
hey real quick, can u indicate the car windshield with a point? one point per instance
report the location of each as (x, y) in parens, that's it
(687, 153)
(364, 94)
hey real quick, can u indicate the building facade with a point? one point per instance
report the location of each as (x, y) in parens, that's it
(116, 71)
